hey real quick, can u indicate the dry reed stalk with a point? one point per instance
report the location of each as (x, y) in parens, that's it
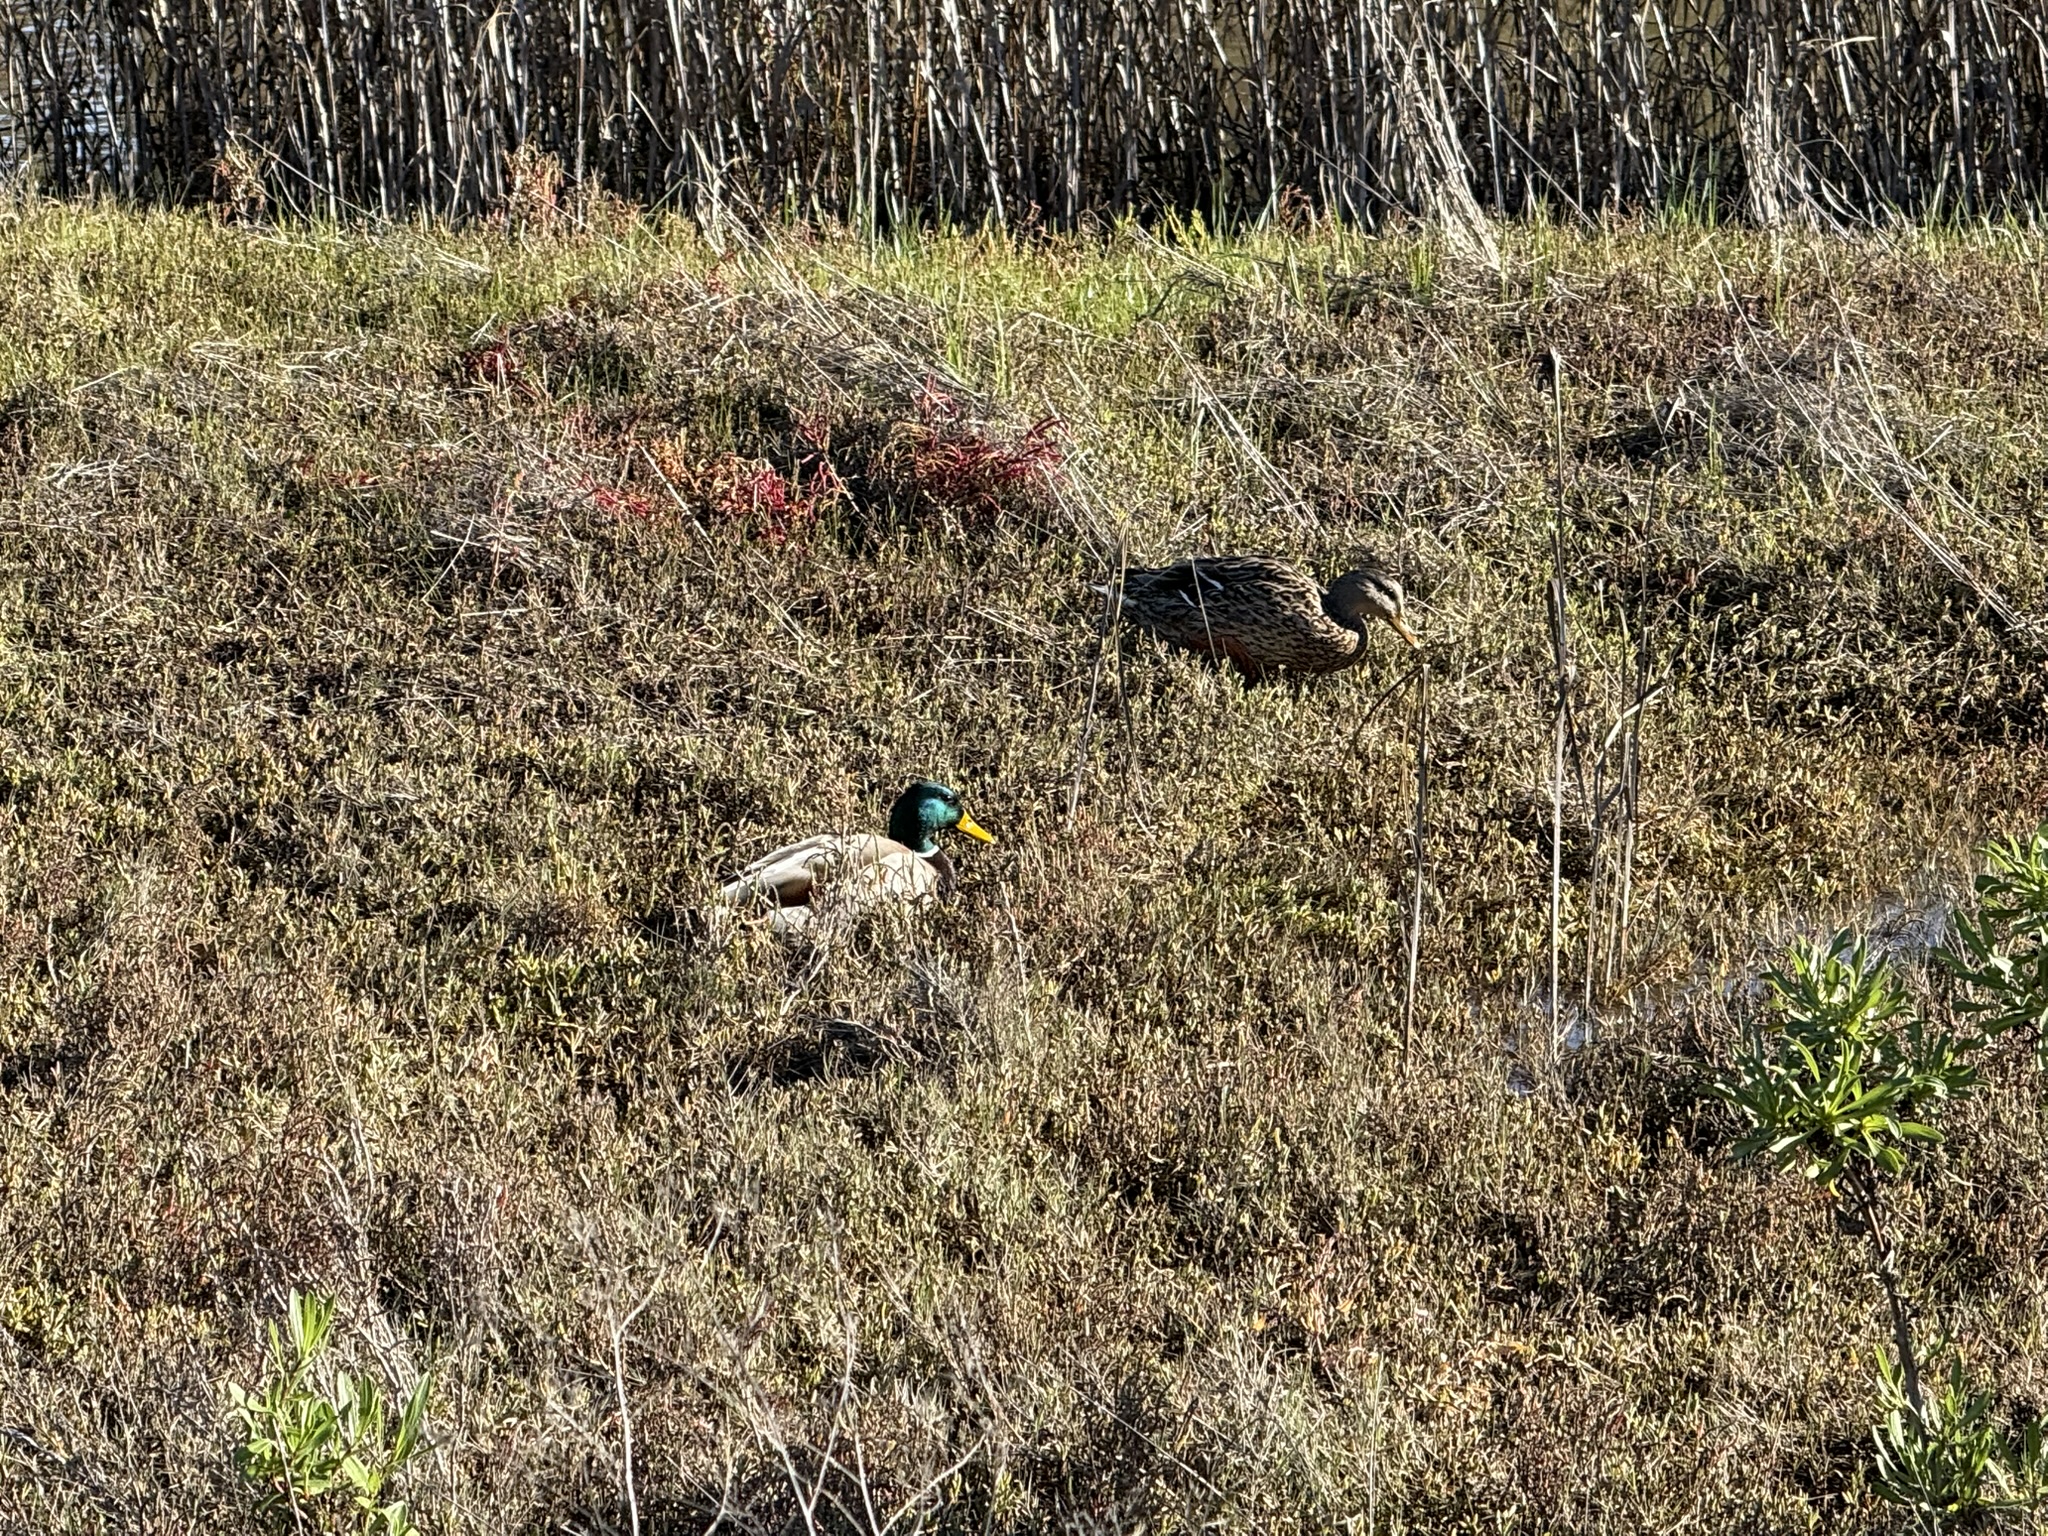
(1056, 110)
(1421, 873)
(1595, 847)
(1559, 725)
(1563, 704)
(617, 1327)
(1613, 802)
(1630, 789)
(1112, 610)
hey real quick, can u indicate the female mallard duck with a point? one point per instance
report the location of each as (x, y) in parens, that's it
(1264, 614)
(854, 872)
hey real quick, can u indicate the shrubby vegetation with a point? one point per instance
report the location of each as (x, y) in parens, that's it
(1828, 1086)
(316, 1449)
(401, 630)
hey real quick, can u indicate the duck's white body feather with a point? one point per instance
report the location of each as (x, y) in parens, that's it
(847, 873)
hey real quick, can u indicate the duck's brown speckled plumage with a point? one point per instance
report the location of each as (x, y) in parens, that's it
(1261, 613)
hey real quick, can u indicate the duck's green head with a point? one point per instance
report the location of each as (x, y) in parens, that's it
(924, 810)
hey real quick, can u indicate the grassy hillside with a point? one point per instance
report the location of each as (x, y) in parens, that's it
(401, 632)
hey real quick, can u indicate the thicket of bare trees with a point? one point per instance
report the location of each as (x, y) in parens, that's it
(1049, 109)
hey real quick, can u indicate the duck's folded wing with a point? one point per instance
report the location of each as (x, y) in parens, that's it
(892, 874)
(865, 866)
(785, 877)
(1164, 601)
(1185, 585)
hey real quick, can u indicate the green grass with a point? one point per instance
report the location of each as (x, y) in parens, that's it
(369, 733)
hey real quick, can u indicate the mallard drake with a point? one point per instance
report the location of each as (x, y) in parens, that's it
(1263, 613)
(848, 873)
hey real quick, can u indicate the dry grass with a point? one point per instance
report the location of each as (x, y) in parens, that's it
(389, 666)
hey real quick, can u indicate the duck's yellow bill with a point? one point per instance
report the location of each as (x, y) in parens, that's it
(975, 830)
(1401, 625)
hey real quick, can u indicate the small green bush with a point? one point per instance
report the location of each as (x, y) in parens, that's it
(1843, 1083)
(1949, 1460)
(324, 1456)
(2001, 954)
(1839, 1078)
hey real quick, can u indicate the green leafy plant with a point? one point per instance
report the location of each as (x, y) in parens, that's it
(2000, 955)
(1838, 1082)
(1843, 1081)
(1948, 1459)
(320, 1451)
